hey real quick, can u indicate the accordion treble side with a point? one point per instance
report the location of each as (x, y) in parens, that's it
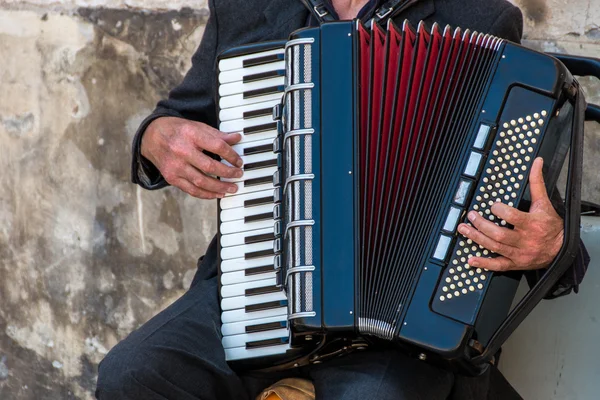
(383, 140)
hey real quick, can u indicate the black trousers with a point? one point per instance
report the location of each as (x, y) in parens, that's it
(178, 355)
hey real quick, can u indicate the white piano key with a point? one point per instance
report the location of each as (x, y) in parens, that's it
(240, 288)
(238, 74)
(238, 125)
(240, 314)
(240, 87)
(242, 339)
(233, 214)
(236, 100)
(248, 189)
(238, 201)
(238, 112)
(252, 158)
(233, 278)
(241, 226)
(238, 264)
(236, 328)
(240, 251)
(232, 303)
(227, 64)
(236, 239)
(239, 353)
(271, 134)
(253, 174)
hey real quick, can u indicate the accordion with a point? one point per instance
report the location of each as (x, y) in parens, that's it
(363, 150)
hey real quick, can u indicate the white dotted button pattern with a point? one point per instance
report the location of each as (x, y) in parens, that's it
(502, 180)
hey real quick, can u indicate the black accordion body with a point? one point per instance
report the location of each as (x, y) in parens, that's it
(364, 149)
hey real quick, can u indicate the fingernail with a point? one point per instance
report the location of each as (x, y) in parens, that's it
(239, 163)
(232, 189)
(472, 215)
(472, 262)
(239, 173)
(463, 229)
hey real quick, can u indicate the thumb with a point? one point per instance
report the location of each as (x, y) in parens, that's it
(537, 187)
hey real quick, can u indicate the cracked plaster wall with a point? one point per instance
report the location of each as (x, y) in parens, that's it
(85, 257)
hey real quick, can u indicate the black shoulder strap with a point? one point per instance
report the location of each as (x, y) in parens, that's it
(387, 10)
(318, 9)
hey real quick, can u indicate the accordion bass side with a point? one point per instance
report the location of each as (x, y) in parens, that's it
(379, 143)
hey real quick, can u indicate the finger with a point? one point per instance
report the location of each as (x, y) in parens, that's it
(218, 146)
(537, 186)
(488, 243)
(203, 181)
(230, 138)
(493, 231)
(195, 191)
(210, 166)
(493, 263)
(510, 214)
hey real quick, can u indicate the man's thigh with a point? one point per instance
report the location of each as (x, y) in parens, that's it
(175, 355)
(389, 374)
(382, 375)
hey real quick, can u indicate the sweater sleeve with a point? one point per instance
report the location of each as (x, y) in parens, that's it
(193, 99)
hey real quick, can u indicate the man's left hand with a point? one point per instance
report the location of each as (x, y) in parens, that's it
(535, 240)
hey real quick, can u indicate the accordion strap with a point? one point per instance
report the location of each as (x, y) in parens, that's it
(385, 11)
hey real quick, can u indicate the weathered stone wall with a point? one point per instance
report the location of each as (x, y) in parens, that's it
(85, 256)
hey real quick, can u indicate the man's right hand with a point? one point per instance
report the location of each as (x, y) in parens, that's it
(175, 145)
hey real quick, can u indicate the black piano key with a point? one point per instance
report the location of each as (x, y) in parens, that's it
(269, 326)
(251, 62)
(260, 164)
(267, 342)
(258, 113)
(264, 75)
(258, 202)
(266, 306)
(260, 128)
(258, 254)
(263, 91)
(259, 238)
(263, 290)
(258, 149)
(258, 217)
(258, 181)
(259, 270)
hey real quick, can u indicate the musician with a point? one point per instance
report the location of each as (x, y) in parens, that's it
(178, 353)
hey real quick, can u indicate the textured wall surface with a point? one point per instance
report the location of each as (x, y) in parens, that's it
(85, 257)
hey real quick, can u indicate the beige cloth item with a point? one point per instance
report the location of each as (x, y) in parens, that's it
(289, 389)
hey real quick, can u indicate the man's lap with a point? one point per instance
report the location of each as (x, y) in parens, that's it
(178, 355)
